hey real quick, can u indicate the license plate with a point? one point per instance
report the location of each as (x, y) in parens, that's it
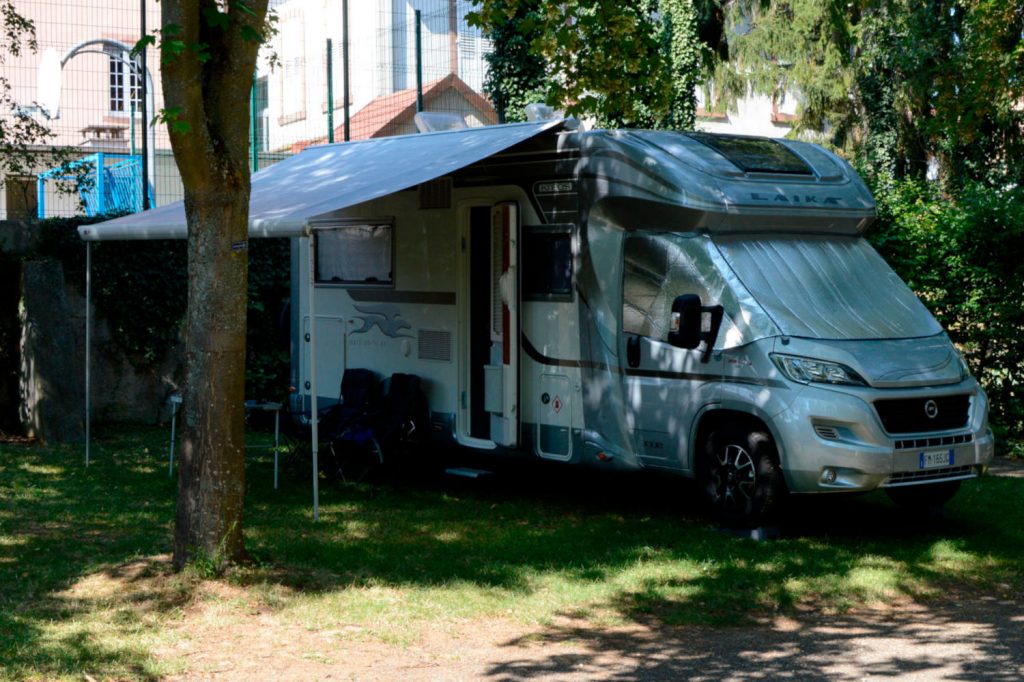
(934, 460)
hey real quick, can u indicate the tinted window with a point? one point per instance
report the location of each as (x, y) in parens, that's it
(547, 263)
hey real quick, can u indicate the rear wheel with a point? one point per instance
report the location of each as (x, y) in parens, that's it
(924, 496)
(739, 475)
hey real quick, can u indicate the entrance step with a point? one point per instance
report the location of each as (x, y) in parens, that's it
(466, 472)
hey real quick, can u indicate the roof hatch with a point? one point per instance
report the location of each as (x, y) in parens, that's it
(755, 154)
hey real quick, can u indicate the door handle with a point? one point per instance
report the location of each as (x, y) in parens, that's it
(633, 351)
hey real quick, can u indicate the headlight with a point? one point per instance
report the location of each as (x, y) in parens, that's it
(807, 370)
(965, 371)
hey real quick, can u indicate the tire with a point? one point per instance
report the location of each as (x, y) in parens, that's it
(739, 476)
(926, 496)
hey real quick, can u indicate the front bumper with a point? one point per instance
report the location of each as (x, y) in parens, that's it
(833, 441)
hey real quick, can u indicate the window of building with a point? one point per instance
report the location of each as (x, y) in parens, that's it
(473, 48)
(547, 262)
(356, 254)
(125, 88)
(261, 116)
(292, 85)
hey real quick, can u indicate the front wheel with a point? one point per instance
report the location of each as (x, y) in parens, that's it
(739, 475)
(924, 496)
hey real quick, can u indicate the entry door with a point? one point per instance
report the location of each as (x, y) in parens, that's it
(330, 356)
(505, 325)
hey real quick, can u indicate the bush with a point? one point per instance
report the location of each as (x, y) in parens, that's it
(964, 256)
(140, 289)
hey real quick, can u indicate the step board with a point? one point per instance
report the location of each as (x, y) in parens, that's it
(466, 472)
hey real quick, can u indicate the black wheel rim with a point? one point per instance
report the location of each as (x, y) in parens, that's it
(733, 476)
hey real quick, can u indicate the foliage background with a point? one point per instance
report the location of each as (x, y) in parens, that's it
(964, 257)
(925, 97)
(140, 289)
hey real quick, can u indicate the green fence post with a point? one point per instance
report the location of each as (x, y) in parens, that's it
(330, 91)
(419, 62)
(253, 150)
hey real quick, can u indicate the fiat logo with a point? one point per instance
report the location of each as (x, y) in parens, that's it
(931, 409)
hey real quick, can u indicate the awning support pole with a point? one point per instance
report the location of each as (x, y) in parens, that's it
(88, 349)
(313, 413)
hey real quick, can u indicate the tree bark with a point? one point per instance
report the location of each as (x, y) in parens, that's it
(206, 88)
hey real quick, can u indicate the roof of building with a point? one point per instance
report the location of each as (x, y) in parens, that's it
(388, 114)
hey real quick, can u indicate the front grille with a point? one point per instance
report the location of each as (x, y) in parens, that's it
(934, 442)
(912, 477)
(923, 415)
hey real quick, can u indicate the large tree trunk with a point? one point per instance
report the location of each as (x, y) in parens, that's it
(207, 73)
(211, 479)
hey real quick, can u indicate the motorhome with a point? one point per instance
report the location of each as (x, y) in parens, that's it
(699, 304)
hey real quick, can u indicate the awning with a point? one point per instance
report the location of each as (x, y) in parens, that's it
(327, 178)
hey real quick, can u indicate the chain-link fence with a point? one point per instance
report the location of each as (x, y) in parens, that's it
(311, 86)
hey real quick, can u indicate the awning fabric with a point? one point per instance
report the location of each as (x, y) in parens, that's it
(327, 178)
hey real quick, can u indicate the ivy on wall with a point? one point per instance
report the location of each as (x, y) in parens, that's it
(140, 289)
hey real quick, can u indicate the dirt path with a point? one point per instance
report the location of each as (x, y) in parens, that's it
(1007, 467)
(978, 640)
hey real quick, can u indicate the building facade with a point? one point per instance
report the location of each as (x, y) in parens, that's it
(84, 84)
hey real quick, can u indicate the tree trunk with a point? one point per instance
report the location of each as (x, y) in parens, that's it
(207, 72)
(211, 478)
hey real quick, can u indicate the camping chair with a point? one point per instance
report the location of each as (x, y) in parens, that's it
(347, 427)
(404, 416)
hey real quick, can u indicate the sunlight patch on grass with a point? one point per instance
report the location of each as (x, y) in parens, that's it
(949, 555)
(41, 469)
(87, 589)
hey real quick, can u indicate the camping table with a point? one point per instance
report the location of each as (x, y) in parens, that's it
(250, 406)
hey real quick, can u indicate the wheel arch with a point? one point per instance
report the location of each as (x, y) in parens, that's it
(717, 416)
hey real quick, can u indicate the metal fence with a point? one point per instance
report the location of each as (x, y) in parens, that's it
(315, 82)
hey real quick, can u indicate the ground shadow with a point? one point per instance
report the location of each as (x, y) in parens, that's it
(978, 641)
(418, 527)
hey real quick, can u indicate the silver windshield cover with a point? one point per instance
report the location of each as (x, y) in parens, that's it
(827, 287)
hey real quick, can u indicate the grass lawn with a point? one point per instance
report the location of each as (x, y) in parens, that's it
(86, 584)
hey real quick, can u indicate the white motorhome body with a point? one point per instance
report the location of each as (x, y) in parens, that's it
(530, 275)
(532, 291)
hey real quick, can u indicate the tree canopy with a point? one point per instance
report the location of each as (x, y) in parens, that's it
(21, 133)
(624, 63)
(918, 88)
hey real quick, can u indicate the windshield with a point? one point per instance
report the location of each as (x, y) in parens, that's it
(827, 287)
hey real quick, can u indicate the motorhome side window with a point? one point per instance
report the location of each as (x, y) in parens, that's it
(547, 262)
(356, 254)
(657, 268)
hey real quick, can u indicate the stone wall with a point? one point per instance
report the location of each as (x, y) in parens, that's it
(51, 393)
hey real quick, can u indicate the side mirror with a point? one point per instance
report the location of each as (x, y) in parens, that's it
(684, 325)
(687, 328)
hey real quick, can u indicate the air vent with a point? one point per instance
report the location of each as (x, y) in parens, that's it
(826, 432)
(435, 345)
(436, 193)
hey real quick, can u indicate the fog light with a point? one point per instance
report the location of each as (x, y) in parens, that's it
(828, 475)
